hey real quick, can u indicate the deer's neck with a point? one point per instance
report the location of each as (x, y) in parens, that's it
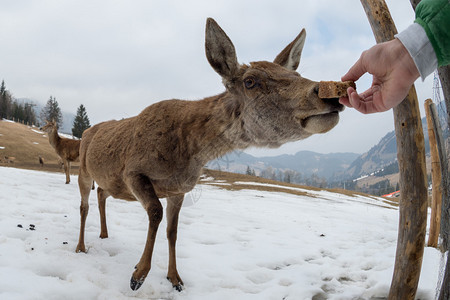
(194, 132)
(53, 138)
(222, 129)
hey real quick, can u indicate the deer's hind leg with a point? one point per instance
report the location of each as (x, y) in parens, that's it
(101, 197)
(67, 170)
(84, 184)
(172, 213)
(143, 190)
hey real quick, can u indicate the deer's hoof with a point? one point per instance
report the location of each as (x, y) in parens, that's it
(80, 248)
(178, 286)
(135, 284)
(67, 182)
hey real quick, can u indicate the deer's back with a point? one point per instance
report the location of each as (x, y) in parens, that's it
(155, 143)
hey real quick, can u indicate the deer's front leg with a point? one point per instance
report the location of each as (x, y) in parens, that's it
(143, 190)
(172, 212)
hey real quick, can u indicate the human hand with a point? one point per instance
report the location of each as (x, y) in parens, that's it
(393, 71)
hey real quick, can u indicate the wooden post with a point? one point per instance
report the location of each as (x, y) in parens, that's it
(411, 160)
(444, 76)
(445, 287)
(436, 178)
(414, 3)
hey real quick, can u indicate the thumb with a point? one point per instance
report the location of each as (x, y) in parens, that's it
(355, 72)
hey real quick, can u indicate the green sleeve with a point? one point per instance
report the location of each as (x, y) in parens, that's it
(434, 17)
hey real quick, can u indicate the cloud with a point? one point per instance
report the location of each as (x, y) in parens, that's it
(117, 57)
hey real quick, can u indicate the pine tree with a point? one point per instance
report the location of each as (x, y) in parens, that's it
(30, 117)
(51, 112)
(249, 171)
(2, 100)
(81, 122)
(5, 102)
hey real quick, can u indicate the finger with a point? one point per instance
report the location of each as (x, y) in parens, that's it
(378, 101)
(350, 90)
(355, 100)
(345, 101)
(356, 71)
(367, 95)
(360, 104)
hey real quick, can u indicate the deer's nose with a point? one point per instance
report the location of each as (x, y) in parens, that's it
(316, 89)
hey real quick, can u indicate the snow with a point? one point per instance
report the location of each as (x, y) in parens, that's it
(244, 244)
(64, 135)
(37, 131)
(362, 177)
(67, 136)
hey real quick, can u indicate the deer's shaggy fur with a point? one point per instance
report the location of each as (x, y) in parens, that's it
(67, 149)
(161, 152)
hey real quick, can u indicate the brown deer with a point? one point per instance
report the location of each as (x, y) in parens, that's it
(9, 159)
(160, 153)
(67, 149)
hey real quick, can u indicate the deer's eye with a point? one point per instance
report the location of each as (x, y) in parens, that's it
(249, 82)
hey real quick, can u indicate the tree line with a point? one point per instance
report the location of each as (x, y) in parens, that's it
(13, 109)
(24, 112)
(290, 176)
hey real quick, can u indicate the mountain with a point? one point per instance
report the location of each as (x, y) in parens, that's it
(306, 163)
(384, 153)
(380, 155)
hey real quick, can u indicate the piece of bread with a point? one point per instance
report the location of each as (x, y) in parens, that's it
(334, 89)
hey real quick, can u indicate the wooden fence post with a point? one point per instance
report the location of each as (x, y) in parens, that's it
(413, 180)
(436, 178)
(444, 76)
(445, 286)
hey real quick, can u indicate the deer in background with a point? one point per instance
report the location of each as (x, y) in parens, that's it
(67, 149)
(160, 153)
(41, 161)
(9, 159)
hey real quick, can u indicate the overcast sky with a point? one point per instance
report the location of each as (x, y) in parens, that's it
(117, 57)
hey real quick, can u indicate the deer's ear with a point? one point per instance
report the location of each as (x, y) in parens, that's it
(290, 56)
(220, 50)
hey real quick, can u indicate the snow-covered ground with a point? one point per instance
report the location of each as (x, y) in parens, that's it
(243, 244)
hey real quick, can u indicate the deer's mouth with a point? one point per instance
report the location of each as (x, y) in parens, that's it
(320, 123)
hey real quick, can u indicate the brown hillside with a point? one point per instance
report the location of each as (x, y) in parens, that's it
(233, 181)
(25, 144)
